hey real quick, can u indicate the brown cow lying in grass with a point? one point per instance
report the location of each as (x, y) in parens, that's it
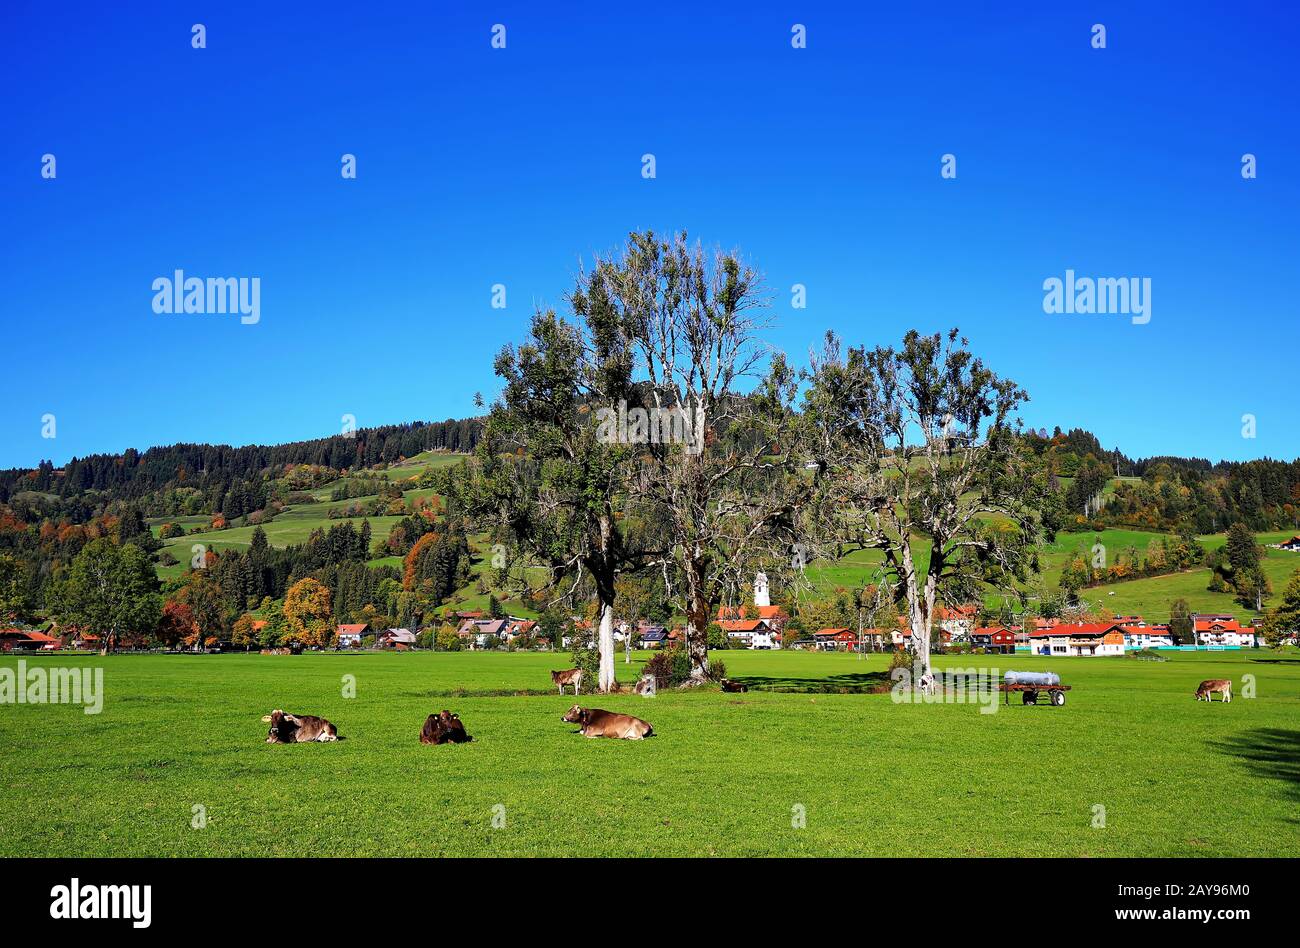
(597, 723)
(733, 686)
(1207, 688)
(444, 728)
(570, 676)
(298, 728)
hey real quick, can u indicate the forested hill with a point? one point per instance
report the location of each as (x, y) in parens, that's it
(134, 474)
(1098, 486)
(1101, 488)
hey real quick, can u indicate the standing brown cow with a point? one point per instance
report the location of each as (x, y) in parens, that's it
(570, 676)
(298, 728)
(1208, 687)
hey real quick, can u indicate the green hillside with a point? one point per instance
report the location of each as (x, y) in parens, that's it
(1150, 597)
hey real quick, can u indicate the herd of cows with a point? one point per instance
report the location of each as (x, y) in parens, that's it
(446, 727)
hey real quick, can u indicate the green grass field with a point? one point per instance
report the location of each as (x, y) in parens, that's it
(1176, 777)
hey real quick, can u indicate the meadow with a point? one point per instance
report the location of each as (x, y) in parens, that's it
(724, 775)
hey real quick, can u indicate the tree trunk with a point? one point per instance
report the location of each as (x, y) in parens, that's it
(605, 643)
(697, 622)
(921, 610)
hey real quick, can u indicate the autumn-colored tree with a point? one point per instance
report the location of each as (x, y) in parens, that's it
(202, 594)
(177, 623)
(308, 614)
(242, 632)
(410, 572)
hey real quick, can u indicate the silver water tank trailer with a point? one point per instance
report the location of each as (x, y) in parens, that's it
(1032, 678)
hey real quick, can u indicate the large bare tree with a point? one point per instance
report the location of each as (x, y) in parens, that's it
(720, 469)
(920, 457)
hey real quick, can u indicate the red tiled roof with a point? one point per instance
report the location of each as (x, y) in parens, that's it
(1223, 625)
(352, 628)
(1084, 629)
(741, 625)
(956, 612)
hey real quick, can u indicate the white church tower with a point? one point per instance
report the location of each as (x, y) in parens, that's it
(761, 597)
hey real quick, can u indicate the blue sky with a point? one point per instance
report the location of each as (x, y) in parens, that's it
(479, 166)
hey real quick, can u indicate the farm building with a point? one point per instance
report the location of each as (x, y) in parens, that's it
(835, 640)
(20, 638)
(396, 638)
(994, 638)
(350, 634)
(1291, 544)
(1082, 639)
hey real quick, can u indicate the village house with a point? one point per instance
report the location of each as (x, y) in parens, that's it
(957, 621)
(751, 633)
(652, 636)
(1292, 544)
(1142, 636)
(516, 627)
(1080, 639)
(474, 633)
(901, 636)
(349, 634)
(1224, 632)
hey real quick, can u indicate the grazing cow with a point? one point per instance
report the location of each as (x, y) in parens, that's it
(298, 728)
(729, 685)
(597, 723)
(444, 728)
(1208, 687)
(570, 676)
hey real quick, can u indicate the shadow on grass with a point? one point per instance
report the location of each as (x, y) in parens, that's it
(486, 693)
(1270, 752)
(862, 683)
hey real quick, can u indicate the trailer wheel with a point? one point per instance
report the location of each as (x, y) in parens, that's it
(1029, 697)
(1058, 698)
